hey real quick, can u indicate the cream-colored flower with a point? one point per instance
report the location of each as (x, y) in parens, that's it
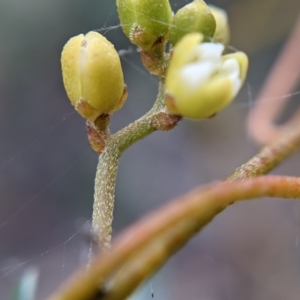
(200, 81)
(222, 33)
(92, 75)
(193, 17)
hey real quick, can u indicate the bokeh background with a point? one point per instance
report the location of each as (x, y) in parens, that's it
(250, 251)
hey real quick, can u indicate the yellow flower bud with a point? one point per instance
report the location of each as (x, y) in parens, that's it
(92, 75)
(145, 22)
(222, 33)
(193, 17)
(200, 81)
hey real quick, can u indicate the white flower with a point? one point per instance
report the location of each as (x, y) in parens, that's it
(200, 81)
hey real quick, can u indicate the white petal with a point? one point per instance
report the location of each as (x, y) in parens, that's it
(230, 65)
(236, 82)
(197, 74)
(210, 51)
(231, 69)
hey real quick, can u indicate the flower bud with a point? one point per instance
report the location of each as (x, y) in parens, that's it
(193, 17)
(145, 22)
(222, 33)
(200, 81)
(92, 75)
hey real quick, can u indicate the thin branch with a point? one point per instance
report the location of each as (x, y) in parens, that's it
(192, 211)
(115, 145)
(281, 81)
(141, 127)
(270, 156)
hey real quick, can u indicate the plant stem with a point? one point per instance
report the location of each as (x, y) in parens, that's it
(106, 173)
(261, 120)
(155, 238)
(104, 197)
(126, 249)
(270, 156)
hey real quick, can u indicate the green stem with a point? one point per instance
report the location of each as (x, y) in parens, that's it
(141, 127)
(106, 173)
(104, 197)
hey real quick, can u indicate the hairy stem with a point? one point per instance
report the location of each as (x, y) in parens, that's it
(141, 127)
(104, 196)
(107, 168)
(270, 156)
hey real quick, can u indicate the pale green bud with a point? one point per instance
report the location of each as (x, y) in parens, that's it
(193, 17)
(145, 22)
(92, 75)
(222, 33)
(200, 81)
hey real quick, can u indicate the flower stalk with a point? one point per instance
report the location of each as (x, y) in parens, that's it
(115, 145)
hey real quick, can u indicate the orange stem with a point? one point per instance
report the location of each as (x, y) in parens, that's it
(282, 80)
(192, 211)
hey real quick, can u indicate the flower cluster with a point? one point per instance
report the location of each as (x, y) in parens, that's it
(200, 81)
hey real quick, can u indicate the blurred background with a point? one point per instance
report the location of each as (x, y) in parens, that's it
(250, 251)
